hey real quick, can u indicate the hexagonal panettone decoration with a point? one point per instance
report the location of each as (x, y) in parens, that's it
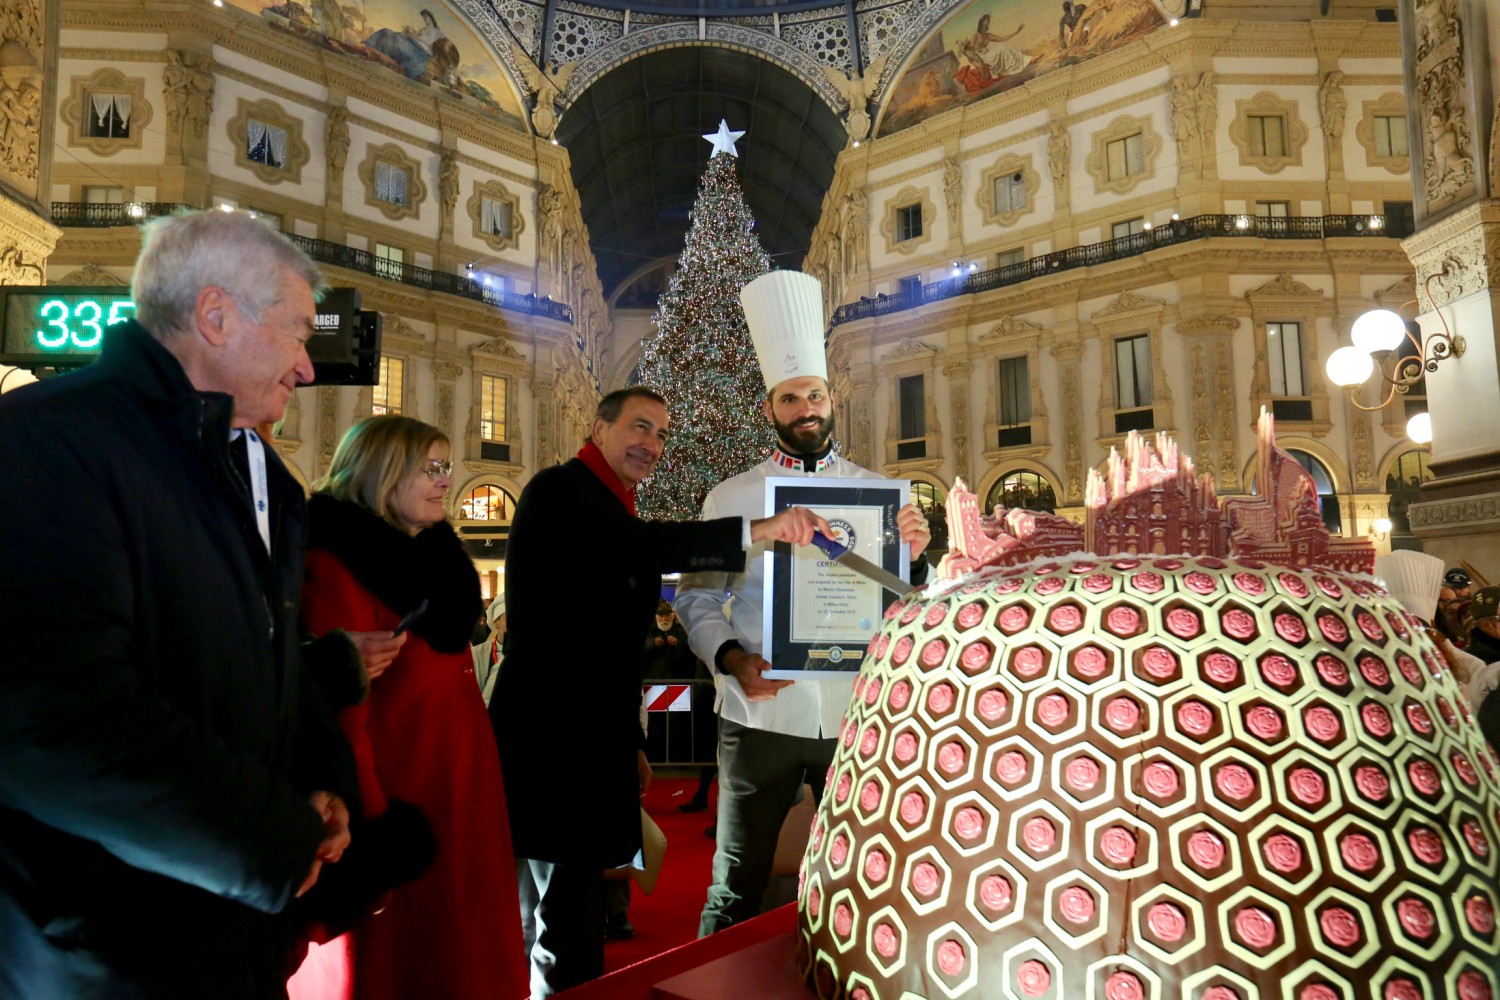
(1146, 776)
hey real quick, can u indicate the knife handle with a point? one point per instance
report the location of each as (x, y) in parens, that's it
(831, 548)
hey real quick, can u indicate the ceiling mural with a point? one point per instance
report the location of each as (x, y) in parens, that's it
(424, 42)
(989, 46)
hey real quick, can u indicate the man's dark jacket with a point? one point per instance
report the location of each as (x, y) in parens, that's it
(157, 740)
(582, 581)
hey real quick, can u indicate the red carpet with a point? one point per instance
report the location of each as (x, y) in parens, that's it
(669, 917)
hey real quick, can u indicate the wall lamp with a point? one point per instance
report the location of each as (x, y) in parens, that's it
(1381, 331)
(1380, 528)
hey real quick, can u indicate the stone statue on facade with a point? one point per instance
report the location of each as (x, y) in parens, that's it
(448, 184)
(1059, 153)
(857, 230)
(1184, 118)
(953, 187)
(337, 141)
(1332, 105)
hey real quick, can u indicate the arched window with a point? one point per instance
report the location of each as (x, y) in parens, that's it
(1022, 488)
(1403, 484)
(930, 501)
(1328, 501)
(925, 496)
(486, 503)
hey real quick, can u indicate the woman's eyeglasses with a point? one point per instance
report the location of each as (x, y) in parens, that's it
(437, 470)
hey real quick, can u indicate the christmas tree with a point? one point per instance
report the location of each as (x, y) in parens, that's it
(702, 359)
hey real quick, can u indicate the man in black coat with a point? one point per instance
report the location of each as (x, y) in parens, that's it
(167, 780)
(582, 578)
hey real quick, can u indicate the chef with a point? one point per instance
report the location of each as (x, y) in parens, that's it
(774, 735)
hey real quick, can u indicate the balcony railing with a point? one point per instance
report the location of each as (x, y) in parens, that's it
(1167, 234)
(81, 215)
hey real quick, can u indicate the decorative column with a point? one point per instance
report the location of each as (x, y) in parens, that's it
(328, 427)
(1069, 356)
(957, 374)
(28, 74)
(445, 372)
(1450, 87)
(1209, 336)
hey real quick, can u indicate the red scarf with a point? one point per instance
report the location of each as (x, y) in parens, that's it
(591, 456)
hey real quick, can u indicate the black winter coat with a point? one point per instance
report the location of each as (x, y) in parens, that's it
(582, 581)
(157, 739)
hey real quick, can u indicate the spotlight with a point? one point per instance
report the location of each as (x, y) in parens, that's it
(1146, 226)
(1174, 216)
(136, 210)
(1172, 23)
(1242, 222)
(856, 143)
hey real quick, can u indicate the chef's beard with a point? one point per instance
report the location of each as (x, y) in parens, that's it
(806, 441)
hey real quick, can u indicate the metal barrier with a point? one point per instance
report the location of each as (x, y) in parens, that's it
(681, 727)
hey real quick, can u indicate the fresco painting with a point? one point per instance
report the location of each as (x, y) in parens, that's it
(990, 46)
(424, 42)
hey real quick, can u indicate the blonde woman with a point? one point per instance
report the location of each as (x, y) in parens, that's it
(380, 549)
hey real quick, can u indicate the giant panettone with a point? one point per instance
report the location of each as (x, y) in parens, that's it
(1241, 772)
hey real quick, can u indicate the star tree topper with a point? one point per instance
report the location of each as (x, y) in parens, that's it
(723, 140)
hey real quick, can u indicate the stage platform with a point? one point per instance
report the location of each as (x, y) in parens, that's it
(755, 959)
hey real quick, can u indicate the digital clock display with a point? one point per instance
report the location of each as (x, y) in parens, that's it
(66, 323)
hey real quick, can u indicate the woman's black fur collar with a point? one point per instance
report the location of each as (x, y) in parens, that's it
(402, 570)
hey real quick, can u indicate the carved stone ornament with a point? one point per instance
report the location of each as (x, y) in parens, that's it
(91, 274)
(21, 47)
(1401, 292)
(446, 369)
(188, 86)
(497, 349)
(1472, 515)
(337, 139)
(1129, 302)
(1284, 286)
(909, 348)
(1059, 158)
(1459, 253)
(1442, 78)
(328, 426)
(17, 269)
(1009, 328)
(1207, 323)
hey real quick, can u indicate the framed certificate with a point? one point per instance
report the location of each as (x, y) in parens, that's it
(819, 615)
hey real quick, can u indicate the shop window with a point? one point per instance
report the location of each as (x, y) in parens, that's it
(486, 503)
(1025, 489)
(387, 393)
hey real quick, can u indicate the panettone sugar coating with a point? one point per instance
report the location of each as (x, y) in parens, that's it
(1154, 777)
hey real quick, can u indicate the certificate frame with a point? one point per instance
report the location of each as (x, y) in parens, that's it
(818, 617)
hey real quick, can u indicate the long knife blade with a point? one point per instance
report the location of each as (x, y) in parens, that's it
(844, 557)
